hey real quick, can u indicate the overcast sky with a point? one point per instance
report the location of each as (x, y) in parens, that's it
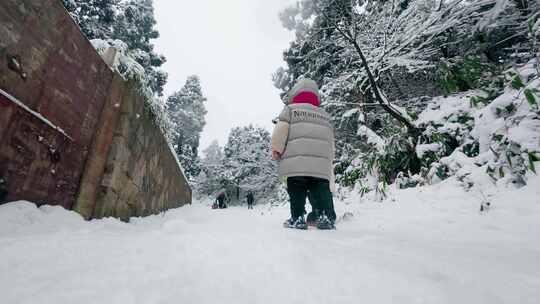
(234, 46)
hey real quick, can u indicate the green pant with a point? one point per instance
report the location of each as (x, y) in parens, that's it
(319, 189)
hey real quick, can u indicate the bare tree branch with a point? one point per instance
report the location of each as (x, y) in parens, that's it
(348, 35)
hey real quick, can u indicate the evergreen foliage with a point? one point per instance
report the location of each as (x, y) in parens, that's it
(135, 26)
(186, 112)
(129, 22)
(96, 18)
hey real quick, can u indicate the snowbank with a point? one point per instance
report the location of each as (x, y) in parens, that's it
(423, 245)
(502, 136)
(421, 150)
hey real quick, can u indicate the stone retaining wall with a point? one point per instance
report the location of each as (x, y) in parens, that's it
(72, 131)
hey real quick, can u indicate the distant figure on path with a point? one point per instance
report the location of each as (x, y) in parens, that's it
(3, 190)
(250, 199)
(303, 143)
(221, 199)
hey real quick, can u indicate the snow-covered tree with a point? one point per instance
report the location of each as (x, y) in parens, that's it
(135, 25)
(403, 41)
(242, 165)
(413, 49)
(247, 164)
(213, 155)
(212, 175)
(186, 111)
(412, 34)
(95, 17)
(129, 22)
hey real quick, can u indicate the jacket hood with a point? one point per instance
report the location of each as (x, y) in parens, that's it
(304, 85)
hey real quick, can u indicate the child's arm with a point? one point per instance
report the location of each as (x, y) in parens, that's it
(279, 139)
(281, 133)
(332, 182)
(332, 175)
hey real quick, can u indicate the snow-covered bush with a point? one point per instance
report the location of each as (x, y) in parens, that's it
(125, 64)
(503, 136)
(460, 74)
(500, 138)
(508, 129)
(382, 164)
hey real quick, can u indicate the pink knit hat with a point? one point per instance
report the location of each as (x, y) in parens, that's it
(307, 97)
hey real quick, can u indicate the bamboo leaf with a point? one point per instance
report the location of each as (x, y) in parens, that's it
(531, 98)
(517, 83)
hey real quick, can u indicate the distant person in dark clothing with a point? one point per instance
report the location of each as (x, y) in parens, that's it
(222, 199)
(250, 199)
(3, 190)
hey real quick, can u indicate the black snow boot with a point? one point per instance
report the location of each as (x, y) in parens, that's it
(296, 223)
(324, 223)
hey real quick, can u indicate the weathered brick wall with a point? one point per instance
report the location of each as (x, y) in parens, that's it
(37, 162)
(48, 65)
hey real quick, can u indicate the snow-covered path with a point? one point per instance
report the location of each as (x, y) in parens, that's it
(418, 249)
